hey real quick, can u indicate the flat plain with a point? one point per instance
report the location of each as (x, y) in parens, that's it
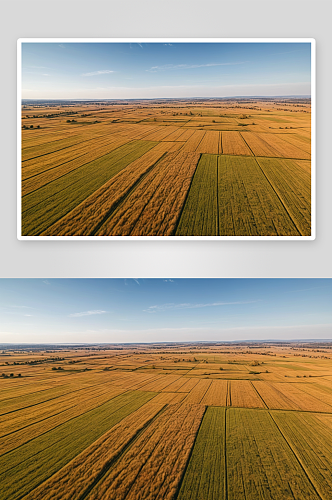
(198, 167)
(166, 421)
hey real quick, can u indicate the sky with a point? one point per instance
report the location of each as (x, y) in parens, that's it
(164, 70)
(163, 310)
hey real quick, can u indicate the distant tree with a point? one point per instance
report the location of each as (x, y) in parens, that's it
(68, 121)
(38, 126)
(19, 375)
(221, 368)
(31, 126)
(12, 375)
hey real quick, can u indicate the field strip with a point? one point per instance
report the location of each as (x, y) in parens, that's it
(205, 473)
(273, 398)
(42, 179)
(83, 473)
(233, 143)
(284, 148)
(54, 160)
(241, 454)
(292, 139)
(160, 134)
(302, 399)
(292, 186)
(248, 204)
(50, 159)
(193, 142)
(243, 395)
(58, 447)
(216, 395)
(50, 203)
(200, 211)
(257, 450)
(40, 151)
(259, 146)
(143, 470)
(94, 210)
(41, 427)
(196, 395)
(210, 143)
(147, 210)
(296, 430)
(27, 416)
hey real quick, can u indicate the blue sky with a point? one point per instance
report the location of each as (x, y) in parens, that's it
(164, 70)
(158, 310)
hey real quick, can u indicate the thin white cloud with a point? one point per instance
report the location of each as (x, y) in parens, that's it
(169, 280)
(46, 282)
(307, 289)
(87, 313)
(100, 72)
(169, 44)
(15, 306)
(37, 67)
(140, 45)
(190, 66)
(136, 281)
(172, 306)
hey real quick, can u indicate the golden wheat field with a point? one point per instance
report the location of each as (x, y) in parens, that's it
(165, 421)
(204, 167)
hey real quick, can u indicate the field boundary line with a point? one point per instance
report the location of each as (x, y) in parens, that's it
(241, 134)
(108, 465)
(296, 457)
(260, 397)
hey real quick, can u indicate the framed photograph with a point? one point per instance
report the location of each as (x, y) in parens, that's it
(166, 138)
(166, 389)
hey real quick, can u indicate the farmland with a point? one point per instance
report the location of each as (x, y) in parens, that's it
(166, 421)
(198, 167)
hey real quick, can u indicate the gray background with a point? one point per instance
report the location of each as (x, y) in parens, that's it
(160, 18)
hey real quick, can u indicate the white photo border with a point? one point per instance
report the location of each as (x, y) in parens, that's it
(312, 41)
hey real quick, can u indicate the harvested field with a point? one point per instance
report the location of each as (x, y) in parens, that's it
(243, 394)
(233, 144)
